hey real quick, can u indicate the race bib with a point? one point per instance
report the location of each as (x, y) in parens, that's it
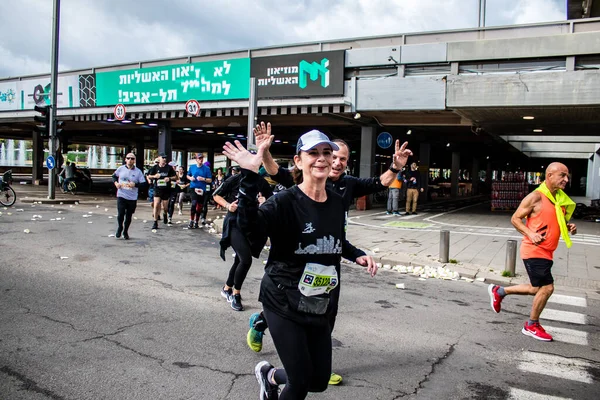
(161, 183)
(208, 188)
(173, 184)
(318, 279)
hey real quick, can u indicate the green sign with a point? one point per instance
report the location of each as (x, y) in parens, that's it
(204, 81)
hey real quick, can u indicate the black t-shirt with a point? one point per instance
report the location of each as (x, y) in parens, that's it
(301, 231)
(165, 172)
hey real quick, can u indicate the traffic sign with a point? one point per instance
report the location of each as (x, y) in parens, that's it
(385, 140)
(120, 112)
(50, 162)
(192, 107)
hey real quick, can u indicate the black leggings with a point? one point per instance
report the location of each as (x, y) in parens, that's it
(196, 208)
(243, 258)
(305, 351)
(125, 209)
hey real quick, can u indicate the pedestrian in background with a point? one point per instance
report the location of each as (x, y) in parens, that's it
(413, 188)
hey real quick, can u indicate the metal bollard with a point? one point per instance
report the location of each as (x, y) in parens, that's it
(511, 256)
(444, 246)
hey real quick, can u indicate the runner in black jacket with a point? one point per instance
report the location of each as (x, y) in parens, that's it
(306, 225)
(347, 186)
(226, 195)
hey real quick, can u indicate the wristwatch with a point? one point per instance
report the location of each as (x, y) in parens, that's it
(394, 170)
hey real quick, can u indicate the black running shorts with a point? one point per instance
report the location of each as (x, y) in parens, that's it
(539, 271)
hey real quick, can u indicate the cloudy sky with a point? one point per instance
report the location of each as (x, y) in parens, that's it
(96, 33)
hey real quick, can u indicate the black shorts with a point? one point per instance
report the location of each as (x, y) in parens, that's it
(539, 271)
(163, 194)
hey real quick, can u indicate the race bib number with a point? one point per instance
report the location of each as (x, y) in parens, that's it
(161, 183)
(318, 279)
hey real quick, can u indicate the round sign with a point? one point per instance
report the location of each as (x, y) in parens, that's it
(50, 163)
(120, 112)
(385, 140)
(192, 107)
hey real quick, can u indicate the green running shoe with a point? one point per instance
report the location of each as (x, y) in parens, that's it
(254, 338)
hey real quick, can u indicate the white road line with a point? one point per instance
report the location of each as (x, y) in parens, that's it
(568, 300)
(519, 394)
(559, 367)
(567, 335)
(564, 316)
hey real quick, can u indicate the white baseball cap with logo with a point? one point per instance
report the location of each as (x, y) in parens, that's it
(312, 139)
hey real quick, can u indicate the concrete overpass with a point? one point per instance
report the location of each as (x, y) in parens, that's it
(460, 93)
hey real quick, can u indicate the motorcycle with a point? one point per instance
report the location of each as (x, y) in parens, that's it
(7, 194)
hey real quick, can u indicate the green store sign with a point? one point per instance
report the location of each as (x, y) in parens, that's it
(204, 81)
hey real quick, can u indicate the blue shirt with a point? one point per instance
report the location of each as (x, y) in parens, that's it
(200, 171)
(125, 175)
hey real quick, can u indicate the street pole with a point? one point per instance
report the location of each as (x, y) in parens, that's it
(52, 141)
(252, 111)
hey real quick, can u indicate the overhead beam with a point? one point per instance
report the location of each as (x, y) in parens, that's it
(561, 147)
(558, 139)
(557, 155)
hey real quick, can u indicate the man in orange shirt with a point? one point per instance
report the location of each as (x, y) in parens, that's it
(394, 197)
(547, 210)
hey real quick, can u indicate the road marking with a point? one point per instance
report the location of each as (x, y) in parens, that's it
(568, 300)
(559, 367)
(564, 316)
(568, 335)
(519, 394)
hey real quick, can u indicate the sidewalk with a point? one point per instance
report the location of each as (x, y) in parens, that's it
(478, 240)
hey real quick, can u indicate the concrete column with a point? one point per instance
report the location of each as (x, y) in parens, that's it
(475, 177)
(37, 158)
(139, 154)
(454, 174)
(424, 163)
(184, 159)
(593, 179)
(211, 158)
(164, 140)
(367, 151)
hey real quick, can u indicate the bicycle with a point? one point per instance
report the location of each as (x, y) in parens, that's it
(7, 194)
(71, 186)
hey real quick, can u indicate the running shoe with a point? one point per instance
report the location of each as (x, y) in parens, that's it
(155, 225)
(268, 391)
(536, 331)
(195, 225)
(236, 302)
(388, 213)
(396, 213)
(165, 218)
(254, 338)
(203, 221)
(495, 298)
(118, 233)
(335, 379)
(227, 293)
(125, 236)
(170, 221)
(191, 225)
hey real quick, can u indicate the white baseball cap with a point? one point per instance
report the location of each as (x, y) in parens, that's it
(313, 138)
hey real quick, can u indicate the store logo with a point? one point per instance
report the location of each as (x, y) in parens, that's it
(313, 71)
(8, 96)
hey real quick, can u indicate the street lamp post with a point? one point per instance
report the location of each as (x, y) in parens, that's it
(52, 140)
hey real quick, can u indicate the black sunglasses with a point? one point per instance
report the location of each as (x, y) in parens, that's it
(130, 158)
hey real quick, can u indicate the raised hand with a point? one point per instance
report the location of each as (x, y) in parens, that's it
(238, 153)
(401, 155)
(262, 134)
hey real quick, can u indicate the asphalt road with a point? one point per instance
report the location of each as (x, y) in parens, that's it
(143, 319)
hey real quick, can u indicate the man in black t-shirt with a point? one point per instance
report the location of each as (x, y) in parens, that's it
(160, 176)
